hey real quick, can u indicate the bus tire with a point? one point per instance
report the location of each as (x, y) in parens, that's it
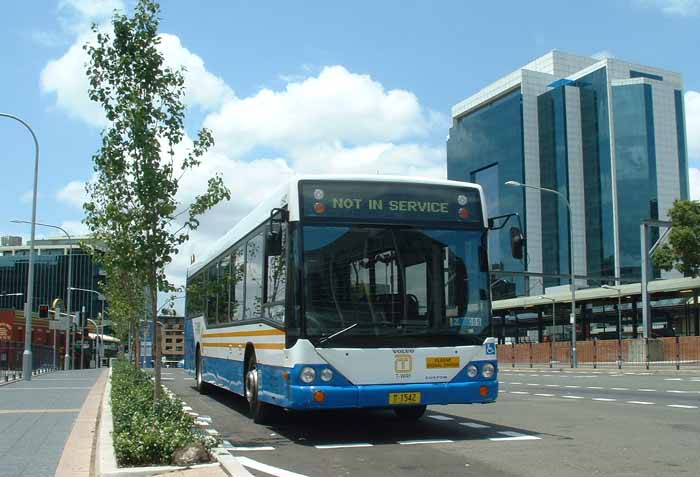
(202, 386)
(410, 412)
(259, 411)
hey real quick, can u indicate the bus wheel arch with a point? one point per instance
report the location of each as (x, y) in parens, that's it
(202, 386)
(259, 411)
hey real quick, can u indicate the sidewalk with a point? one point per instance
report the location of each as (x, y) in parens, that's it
(36, 419)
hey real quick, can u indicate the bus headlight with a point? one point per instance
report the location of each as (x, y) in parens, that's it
(307, 375)
(472, 371)
(326, 374)
(488, 370)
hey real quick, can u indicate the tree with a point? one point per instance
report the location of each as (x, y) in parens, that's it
(682, 251)
(132, 202)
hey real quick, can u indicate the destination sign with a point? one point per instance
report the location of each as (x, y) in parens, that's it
(390, 201)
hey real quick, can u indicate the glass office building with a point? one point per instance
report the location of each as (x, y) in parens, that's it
(50, 275)
(607, 134)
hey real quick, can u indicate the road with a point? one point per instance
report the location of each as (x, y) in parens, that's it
(544, 423)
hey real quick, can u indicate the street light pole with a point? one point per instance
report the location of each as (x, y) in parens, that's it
(27, 356)
(66, 358)
(572, 320)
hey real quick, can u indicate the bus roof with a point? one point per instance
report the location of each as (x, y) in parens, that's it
(287, 194)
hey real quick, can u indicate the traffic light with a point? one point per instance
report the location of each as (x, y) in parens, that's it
(43, 311)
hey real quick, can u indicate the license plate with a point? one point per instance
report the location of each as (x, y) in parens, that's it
(404, 398)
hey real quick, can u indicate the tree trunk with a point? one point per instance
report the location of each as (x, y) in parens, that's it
(155, 337)
(137, 344)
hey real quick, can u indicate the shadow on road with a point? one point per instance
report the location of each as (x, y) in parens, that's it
(378, 426)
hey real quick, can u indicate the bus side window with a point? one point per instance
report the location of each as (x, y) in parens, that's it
(237, 283)
(211, 276)
(223, 290)
(276, 277)
(254, 277)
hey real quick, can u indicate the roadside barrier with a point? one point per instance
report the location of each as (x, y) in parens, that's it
(650, 353)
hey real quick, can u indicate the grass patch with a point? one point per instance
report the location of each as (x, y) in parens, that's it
(146, 433)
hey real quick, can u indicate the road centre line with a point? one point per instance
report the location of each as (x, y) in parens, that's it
(572, 387)
(426, 441)
(640, 402)
(514, 436)
(552, 385)
(566, 396)
(682, 406)
(677, 391)
(440, 418)
(620, 389)
(342, 446)
(647, 390)
(545, 395)
(594, 387)
(474, 425)
(268, 469)
(604, 399)
(516, 392)
(673, 379)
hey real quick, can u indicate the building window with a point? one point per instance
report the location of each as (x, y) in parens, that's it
(641, 74)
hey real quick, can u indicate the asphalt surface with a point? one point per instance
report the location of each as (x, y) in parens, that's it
(36, 418)
(544, 423)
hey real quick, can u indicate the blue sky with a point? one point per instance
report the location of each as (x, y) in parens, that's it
(307, 86)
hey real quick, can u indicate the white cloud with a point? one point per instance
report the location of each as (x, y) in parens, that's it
(335, 106)
(694, 182)
(692, 124)
(673, 7)
(600, 55)
(78, 15)
(73, 194)
(75, 228)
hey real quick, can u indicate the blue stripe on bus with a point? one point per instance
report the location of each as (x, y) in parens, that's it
(225, 373)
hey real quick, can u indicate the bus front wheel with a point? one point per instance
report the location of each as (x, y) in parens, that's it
(410, 412)
(202, 386)
(259, 411)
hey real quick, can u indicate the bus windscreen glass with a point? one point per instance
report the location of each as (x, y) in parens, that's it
(384, 201)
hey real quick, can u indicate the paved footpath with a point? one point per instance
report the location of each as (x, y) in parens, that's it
(36, 419)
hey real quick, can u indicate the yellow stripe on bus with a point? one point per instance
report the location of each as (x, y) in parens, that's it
(241, 345)
(233, 334)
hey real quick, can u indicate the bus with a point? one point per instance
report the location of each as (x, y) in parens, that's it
(348, 292)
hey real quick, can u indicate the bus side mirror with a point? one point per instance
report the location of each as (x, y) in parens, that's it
(274, 236)
(516, 243)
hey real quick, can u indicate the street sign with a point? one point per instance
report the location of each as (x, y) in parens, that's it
(59, 325)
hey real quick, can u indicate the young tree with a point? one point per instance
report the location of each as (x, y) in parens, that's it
(132, 201)
(682, 250)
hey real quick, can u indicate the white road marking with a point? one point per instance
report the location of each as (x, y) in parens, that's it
(548, 375)
(440, 418)
(545, 395)
(247, 449)
(552, 385)
(501, 390)
(212, 432)
(639, 402)
(515, 392)
(193, 414)
(673, 379)
(426, 441)
(572, 397)
(533, 384)
(647, 390)
(515, 383)
(268, 469)
(474, 425)
(533, 375)
(594, 387)
(573, 387)
(186, 408)
(205, 418)
(676, 391)
(682, 406)
(343, 446)
(514, 436)
(605, 399)
(620, 389)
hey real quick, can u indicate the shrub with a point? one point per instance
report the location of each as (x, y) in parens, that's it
(147, 433)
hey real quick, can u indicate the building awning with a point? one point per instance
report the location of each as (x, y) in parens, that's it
(107, 338)
(589, 294)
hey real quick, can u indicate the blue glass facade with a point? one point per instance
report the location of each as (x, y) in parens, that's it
(635, 166)
(554, 167)
(680, 138)
(486, 146)
(597, 179)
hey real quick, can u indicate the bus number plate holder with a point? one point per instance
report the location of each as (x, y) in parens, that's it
(404, 398)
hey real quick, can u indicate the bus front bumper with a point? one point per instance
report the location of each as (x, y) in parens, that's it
(377, 396)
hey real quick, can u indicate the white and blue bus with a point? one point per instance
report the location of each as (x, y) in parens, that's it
(348, 292)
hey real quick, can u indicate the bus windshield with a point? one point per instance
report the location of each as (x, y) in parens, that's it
(377, 286)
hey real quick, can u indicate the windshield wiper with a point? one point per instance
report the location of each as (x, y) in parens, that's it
(323, 340)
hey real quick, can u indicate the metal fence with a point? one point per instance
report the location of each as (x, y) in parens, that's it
(11, 358)
(673, 352)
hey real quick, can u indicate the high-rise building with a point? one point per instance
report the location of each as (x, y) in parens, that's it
(607, 134)
(10, 241)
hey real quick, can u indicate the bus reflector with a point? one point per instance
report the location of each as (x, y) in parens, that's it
(463, 213)
(484, 391)
(285, 375)
(319, 208)
(319, 396)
